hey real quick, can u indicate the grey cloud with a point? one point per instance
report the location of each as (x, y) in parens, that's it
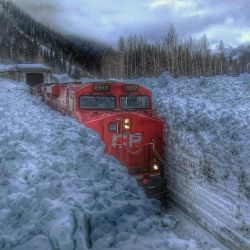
(106, 20)
(36, 8)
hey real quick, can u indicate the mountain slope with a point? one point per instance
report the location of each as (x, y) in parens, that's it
(22, 39)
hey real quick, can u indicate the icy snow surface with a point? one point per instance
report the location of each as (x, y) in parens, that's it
(13, 67)
(4, 68)
(62, 78)
(207, 125)
(32, 66)
(58, 190)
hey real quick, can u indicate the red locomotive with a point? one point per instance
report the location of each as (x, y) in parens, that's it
(121, 114)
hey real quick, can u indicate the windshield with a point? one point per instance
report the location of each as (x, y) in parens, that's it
(97, 102)
(134, 102)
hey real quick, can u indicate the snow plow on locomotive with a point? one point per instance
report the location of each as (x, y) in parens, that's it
(122, 115)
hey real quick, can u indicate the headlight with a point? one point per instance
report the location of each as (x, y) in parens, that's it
(156, 167)
(127, 123)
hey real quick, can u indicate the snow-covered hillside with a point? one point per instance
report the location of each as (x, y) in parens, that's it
(58, 190)
(207, 124)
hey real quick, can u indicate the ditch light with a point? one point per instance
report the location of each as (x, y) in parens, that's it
(156, 167)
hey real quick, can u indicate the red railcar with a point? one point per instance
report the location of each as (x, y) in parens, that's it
(121, 114)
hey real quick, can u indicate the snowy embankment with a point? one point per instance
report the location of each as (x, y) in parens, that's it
(58, 190)
(207, 124)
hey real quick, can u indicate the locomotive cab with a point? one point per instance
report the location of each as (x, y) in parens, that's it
(122, 115)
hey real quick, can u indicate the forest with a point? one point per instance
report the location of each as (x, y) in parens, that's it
(24, 40)
(192, 57)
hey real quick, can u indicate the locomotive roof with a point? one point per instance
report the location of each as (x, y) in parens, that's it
(109, 82)
(75, 86)
(80, 84)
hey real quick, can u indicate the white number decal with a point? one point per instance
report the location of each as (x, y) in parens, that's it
(132, 139)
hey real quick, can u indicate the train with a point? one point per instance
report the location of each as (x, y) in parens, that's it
(121, 113)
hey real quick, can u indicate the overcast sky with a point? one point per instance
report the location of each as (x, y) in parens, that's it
(106, 20)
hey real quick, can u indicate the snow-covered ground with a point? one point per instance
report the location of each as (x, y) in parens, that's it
(207, 125)
(13, 67)
(62, 78)
(58, 190)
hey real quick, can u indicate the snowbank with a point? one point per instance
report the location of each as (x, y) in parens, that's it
(58, 190)
(207, 124)
(14, 67)
(62, 78)
(4, 68)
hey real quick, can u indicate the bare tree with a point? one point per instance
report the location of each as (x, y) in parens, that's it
(190, 57)
(222, 57)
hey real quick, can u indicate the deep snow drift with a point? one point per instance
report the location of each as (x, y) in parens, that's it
(208, 149)
(58, 190)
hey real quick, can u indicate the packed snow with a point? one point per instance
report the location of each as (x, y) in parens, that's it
(207, 128)
(14, 67)
(59, 191)
(62, 78)
(4, 68)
